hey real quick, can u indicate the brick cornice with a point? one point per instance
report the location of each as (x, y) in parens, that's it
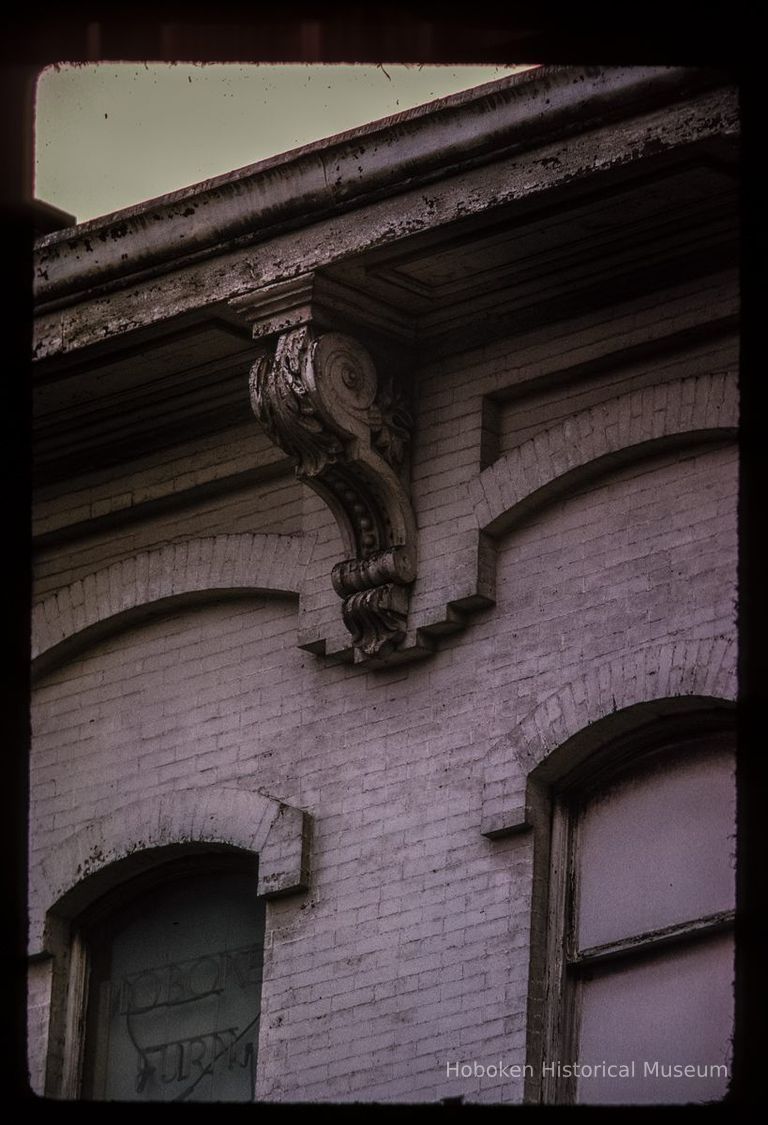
(588, 443)
(124, 592)
(643, 423)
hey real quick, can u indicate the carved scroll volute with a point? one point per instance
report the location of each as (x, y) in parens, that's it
(320, 400)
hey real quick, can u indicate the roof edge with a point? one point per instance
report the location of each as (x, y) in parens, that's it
(347, 170)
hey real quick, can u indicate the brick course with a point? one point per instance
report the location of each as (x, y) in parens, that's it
(410, 948)
(573, 478)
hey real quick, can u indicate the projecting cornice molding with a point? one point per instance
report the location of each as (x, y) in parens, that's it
(319, 397)
(342, 173)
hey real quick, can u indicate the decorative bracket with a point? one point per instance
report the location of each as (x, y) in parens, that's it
(319, 398)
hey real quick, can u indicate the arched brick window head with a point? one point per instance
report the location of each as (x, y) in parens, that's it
(154, 938)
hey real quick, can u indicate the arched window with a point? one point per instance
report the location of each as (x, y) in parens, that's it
(172, 984)
(637, 992)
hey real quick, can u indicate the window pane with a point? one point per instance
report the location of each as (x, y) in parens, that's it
(178, 1019)
(658, 848)
(669, 1011)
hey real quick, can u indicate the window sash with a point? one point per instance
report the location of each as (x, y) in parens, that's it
(652, 940)
(564, 962)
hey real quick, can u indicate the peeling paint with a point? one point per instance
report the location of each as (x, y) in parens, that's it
(294, 187)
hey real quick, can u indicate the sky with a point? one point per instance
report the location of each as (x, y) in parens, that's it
(109, 135)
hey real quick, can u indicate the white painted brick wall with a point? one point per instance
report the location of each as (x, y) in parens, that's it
(272, 507)
(154, 476)
(411, 948)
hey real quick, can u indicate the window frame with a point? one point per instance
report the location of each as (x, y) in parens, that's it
(70, 1052)
(557, 797)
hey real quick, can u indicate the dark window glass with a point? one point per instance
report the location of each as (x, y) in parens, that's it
(175, 992)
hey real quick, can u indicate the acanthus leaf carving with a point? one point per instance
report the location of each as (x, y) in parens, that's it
(377, 618)
(320, 399)
(282, 400)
